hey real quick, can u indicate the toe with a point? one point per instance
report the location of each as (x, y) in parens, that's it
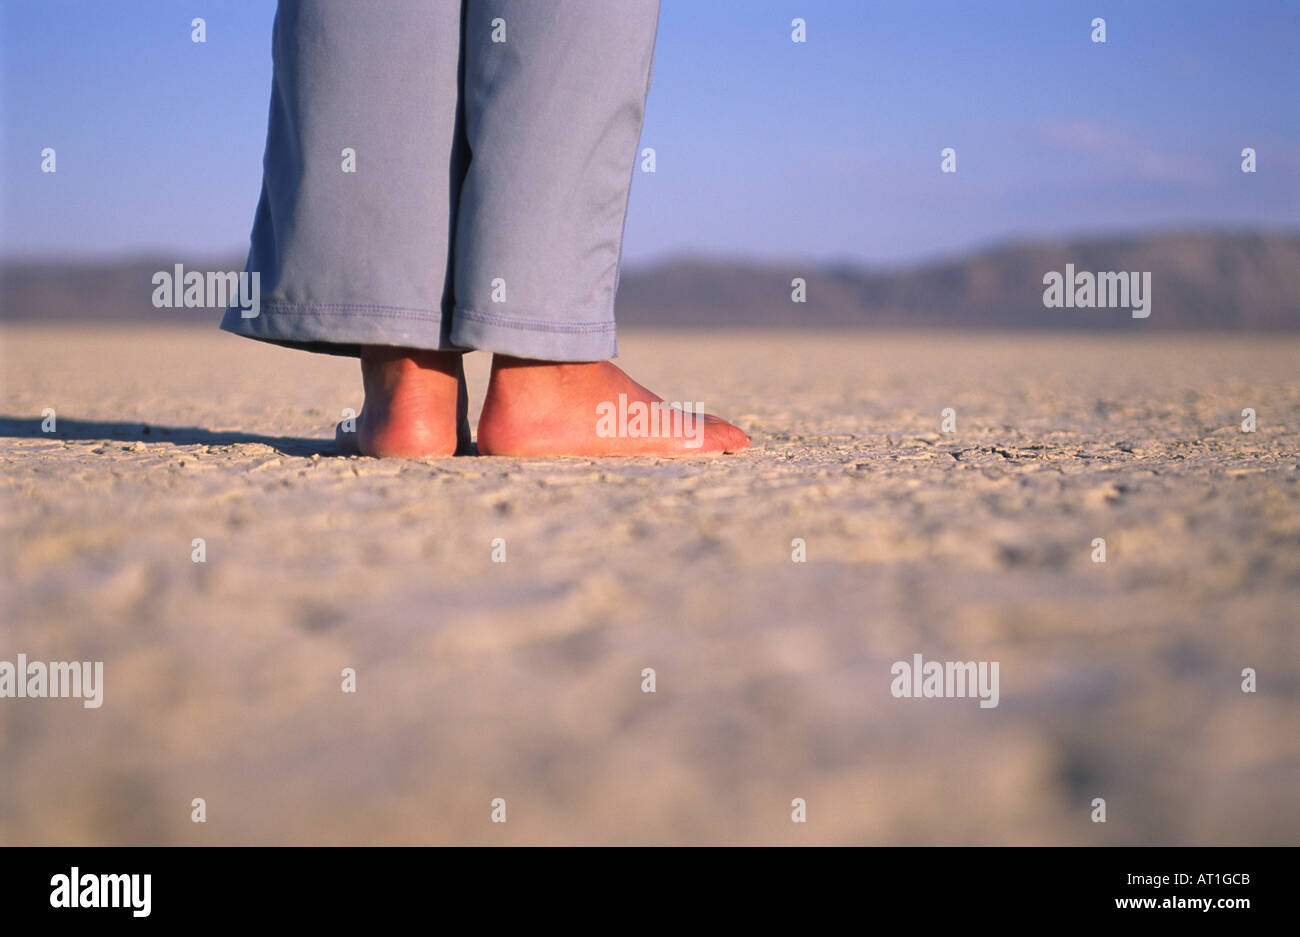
(724, 436)
(737, 440)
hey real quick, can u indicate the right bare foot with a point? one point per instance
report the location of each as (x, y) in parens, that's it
(416, 405)
(547, 408)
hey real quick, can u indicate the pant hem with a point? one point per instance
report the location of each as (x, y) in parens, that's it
(341, 328)
(531, 338)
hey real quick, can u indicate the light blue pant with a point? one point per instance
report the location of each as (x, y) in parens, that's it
(449, 175)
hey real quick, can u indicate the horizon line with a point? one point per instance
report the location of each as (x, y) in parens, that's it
(669, 258)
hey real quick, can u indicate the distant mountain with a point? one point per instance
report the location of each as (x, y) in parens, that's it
(1198, 281)
(1228, 281)
(97, 291)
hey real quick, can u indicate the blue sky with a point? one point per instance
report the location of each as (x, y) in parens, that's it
(827, 150)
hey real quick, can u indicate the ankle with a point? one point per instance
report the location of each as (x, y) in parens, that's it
(386, 368)
(521, 373)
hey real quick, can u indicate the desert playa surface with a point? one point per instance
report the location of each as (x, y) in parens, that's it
(523, 680)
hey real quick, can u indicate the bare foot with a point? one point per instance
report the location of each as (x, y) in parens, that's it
(545, 408)
(416, 405)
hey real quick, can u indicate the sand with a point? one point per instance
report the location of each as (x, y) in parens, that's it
(523, 680)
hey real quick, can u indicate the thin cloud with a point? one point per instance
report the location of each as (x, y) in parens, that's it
(1121, 150)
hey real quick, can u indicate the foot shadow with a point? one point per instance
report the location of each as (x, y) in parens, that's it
(90, 430)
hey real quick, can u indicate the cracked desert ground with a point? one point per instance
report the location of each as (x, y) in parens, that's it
(523, 680)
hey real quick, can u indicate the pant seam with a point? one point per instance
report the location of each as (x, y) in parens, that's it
(345, 309)
(636, 157)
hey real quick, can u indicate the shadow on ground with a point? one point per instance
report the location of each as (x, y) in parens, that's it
(91, 430)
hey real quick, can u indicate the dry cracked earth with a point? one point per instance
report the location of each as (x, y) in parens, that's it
(523, 679)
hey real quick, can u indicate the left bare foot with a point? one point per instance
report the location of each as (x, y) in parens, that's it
(417, 406)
